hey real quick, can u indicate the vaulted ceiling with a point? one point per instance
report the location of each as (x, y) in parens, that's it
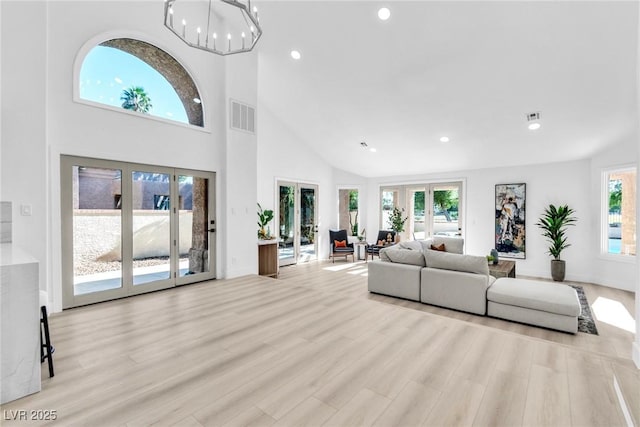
(470, 71)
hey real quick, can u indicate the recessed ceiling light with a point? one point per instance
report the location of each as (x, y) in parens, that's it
(373, 150)
(197, 100)
(534, 126)
(384, 13)
(295, 54)
(444, 139)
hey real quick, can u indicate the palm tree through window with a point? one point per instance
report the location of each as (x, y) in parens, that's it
(137, 76)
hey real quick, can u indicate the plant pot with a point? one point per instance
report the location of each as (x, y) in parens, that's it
(558, 268)
(495, 255)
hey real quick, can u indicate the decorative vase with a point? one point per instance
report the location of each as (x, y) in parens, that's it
(558, 268)
(494, 254)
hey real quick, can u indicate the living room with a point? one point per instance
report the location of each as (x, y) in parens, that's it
(590, 126)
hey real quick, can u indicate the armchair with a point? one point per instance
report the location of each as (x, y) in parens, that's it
(337, 239)
(383, 235)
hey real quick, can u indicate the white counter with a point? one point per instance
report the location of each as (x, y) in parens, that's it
(19, 300)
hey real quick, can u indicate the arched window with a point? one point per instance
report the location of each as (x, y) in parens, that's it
(132, 74)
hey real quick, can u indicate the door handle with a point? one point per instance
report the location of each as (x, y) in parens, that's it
(212, 230)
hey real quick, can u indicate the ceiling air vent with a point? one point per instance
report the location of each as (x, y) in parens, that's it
(243, 117)
(533, 116)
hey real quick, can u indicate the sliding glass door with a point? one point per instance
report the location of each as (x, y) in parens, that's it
(130, 228)
(151, 222)
(297, 222)
(96, 229)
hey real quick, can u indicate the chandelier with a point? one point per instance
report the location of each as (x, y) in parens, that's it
(224, 27)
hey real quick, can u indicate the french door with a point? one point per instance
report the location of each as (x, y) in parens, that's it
(445, 202)
(435, 209)
(131, 228)
(297, 222)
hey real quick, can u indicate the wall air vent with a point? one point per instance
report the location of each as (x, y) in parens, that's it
(243, 117)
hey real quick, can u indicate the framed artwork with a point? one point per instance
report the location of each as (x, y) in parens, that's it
(510, 220)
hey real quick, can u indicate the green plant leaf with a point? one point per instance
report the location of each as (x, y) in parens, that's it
(553, 223)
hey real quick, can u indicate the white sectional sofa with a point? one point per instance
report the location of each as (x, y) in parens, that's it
(413, 271)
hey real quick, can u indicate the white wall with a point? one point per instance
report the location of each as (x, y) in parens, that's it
(283, 155)
(557, 183)
(241, 251)
(24, 139)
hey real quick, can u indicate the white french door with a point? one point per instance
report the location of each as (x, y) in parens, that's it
(296, 217)
(131, 228)
(445, 209)
(431, 209)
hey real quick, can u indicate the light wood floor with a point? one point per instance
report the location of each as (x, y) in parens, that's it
(315, 348)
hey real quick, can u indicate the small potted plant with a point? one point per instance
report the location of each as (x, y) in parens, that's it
(553, 223)
(396, 221)
(264, 218)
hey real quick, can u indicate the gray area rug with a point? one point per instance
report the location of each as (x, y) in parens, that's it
(586, 323)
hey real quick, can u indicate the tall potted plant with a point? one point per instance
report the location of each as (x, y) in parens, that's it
(396, 221)
(553, 223)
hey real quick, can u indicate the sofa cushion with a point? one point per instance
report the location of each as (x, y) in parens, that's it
(426, 244)
(452, 244)
(413, 245)
(457, 262)
(402, 256)
(536, 295)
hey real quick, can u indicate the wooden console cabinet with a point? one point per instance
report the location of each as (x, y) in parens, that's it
(268, 258)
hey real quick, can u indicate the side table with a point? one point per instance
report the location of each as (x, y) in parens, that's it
(504, 268)
(361, 247)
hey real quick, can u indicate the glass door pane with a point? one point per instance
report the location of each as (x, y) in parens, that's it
(151, 221)
(194, 227)
(286, 224)
(389, 199)
(97, 224)
(308, 232)
(417, 214)
(446, 209)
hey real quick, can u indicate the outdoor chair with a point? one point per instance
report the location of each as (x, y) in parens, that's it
(385, 239)
(340, 246)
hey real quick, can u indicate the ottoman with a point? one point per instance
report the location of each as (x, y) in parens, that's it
(550, 305)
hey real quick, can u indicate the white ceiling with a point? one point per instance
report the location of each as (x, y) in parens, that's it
(467, 70)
